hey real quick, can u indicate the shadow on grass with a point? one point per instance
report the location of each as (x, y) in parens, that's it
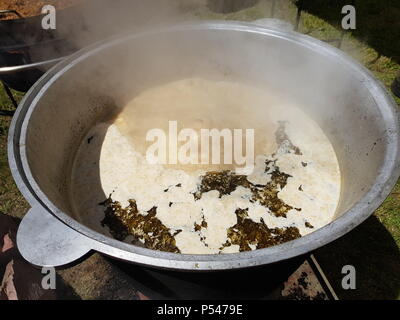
(378, 22)
(371, 249)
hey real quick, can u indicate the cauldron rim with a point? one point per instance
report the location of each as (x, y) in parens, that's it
(385, 181)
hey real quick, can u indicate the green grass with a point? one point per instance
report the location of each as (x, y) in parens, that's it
(373, 247)
(389, 214)
(11, 201)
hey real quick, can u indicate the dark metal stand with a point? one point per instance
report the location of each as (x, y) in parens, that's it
(298, 16)
(4, 12)
(9, 113)
(273, 5)
(9, 94)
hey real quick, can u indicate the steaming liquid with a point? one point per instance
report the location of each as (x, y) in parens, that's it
(114, 163)
(199, 104)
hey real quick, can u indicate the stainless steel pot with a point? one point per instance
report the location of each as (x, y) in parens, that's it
(354, 109)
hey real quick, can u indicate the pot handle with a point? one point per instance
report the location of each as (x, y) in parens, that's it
(45, 241)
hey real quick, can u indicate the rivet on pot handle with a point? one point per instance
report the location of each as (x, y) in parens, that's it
(45, 241)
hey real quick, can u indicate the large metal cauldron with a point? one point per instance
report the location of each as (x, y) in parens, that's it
(349, 104)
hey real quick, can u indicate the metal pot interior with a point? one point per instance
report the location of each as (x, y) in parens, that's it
(94, 84)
